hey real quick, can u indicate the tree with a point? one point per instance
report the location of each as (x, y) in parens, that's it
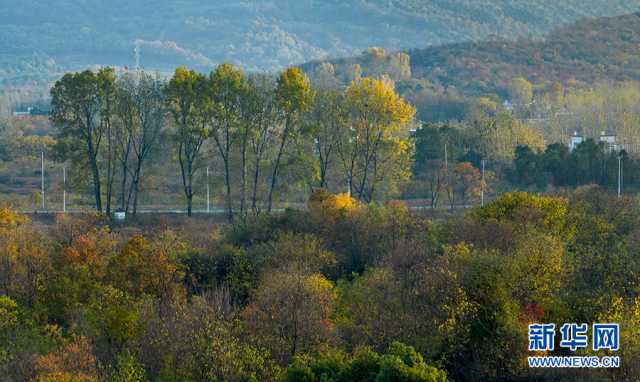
(226, 87)
(401, 363)
(556, 161)
(294, 96)
(128, 369)
(528, 167)
(143, 266)
(587, 159)
(373, 148)
(107, 93)
(75, 101)
(24, 259)
(521, 92)
(73, 362)
(195, 341)
(150, 116)
(326, 120)
(261, 114)
(291, 312)
(126, 112)
(466, 183)
(185, 98)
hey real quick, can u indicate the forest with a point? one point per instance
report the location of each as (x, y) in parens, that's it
(339, 291)
(319, 266)
(397, 216)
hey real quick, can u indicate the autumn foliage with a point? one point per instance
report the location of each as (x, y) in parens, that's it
(342, 291)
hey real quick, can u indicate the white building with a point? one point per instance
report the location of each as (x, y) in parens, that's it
(609, 142)
(576, 139)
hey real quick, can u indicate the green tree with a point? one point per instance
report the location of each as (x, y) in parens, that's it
(76, 106)
(128, 369)
(294, 96)
(144, 112)
(226, 87)
(401, 363)
(261, 116)
(107, 92)
(186, 102)
(527, 167)
(326, 120)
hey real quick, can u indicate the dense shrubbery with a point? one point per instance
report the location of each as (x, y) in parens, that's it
(341, 292)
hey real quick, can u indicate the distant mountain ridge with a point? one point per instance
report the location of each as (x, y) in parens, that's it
(606, 48)
(37, 35)
(442, 81)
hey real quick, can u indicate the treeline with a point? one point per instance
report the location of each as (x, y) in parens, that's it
(342, 291)
(265, 145)
(262, 134)
(588, 163)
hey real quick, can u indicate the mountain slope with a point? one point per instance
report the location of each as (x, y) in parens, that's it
(259, 35)
(442, 80)
(603, 49)
(606, 48)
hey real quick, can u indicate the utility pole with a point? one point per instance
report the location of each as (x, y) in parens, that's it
(446, 159)
(482, 187)
(64, 189)
(450, 190)
(619, 176)
(208, 192)
(42, 179)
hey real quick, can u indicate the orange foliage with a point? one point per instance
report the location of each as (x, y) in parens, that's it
(90, 250)
(74, 362)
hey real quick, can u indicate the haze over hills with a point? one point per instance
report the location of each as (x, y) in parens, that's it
(40, 36)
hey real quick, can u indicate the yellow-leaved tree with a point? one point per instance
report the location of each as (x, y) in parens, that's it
(375, 149)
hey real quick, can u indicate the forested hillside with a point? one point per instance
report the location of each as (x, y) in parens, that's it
(585, 52)
(444, 82)
(265, 35)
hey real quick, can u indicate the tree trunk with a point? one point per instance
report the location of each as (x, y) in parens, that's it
(189, 204)
(125, 173)
(110, 170)
(96, 176)
(227, 181)
(136, 189)
(96, 184)
(276, 167)
(136, 186)
(243, 180)
(254, 195)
